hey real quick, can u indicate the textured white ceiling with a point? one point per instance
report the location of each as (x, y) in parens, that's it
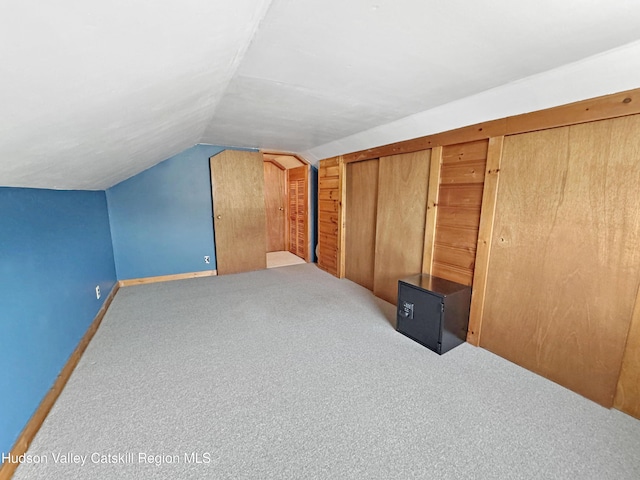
(94, 92)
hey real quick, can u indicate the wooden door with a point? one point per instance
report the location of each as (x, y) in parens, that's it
(237, 182)
(360, 211)
(275, 199)
(298, 201)
(565, 264)
(401, 214)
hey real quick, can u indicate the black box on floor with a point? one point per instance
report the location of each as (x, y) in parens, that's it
(433, 311)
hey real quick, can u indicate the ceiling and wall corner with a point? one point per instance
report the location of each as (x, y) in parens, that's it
(93, 93)
(614, 71)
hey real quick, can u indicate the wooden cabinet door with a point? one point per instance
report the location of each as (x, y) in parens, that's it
(360, 212)
(403, 182)
(298, 193)
(237, 182)
(275, 202)
(565, 265)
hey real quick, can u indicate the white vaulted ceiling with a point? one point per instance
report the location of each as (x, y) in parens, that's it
(94, 92)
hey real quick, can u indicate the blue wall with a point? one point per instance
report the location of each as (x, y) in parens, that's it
(55, 247)
(161, 219)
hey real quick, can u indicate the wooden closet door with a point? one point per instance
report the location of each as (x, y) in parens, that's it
(360, 211)
(298, 181)
(237, 182)
(401, 213)
(564, 268)
(275, 201)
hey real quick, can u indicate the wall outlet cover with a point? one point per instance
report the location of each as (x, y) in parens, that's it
(98, 292)
(207, 259)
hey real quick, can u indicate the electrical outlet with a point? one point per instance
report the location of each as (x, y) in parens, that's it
(98, 292)
(207, 259)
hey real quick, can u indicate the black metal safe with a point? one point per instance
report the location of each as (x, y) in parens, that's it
(433, 311)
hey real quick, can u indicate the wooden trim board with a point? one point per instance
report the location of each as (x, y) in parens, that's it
(311, 247)
(269, 154)
(31, 429)
(275, 162)
(342, 191)
(599, 108)
(485, 233)
(432, 209)
(166, 278)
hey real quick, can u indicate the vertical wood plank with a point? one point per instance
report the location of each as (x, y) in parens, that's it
(360, 220)
(564, 265)
(432, 209)
(485, 233)
(402, 205)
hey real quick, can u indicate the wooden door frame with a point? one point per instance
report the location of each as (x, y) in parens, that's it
(310, 247)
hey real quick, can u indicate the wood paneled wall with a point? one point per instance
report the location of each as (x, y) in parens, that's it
(459, 204)
(402, 200)
(330, 215)
(360, 215)
(557, 267)
(609, 106)
(565, 263)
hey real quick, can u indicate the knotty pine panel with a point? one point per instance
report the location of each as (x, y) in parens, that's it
(458, 217)
(329, 215)
(460, 195)
(459, 208)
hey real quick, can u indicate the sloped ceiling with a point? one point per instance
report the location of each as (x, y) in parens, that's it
(94, 92)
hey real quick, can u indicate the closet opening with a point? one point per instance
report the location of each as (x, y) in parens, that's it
(286, 194)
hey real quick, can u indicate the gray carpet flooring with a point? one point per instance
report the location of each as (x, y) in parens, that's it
(290, 373)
